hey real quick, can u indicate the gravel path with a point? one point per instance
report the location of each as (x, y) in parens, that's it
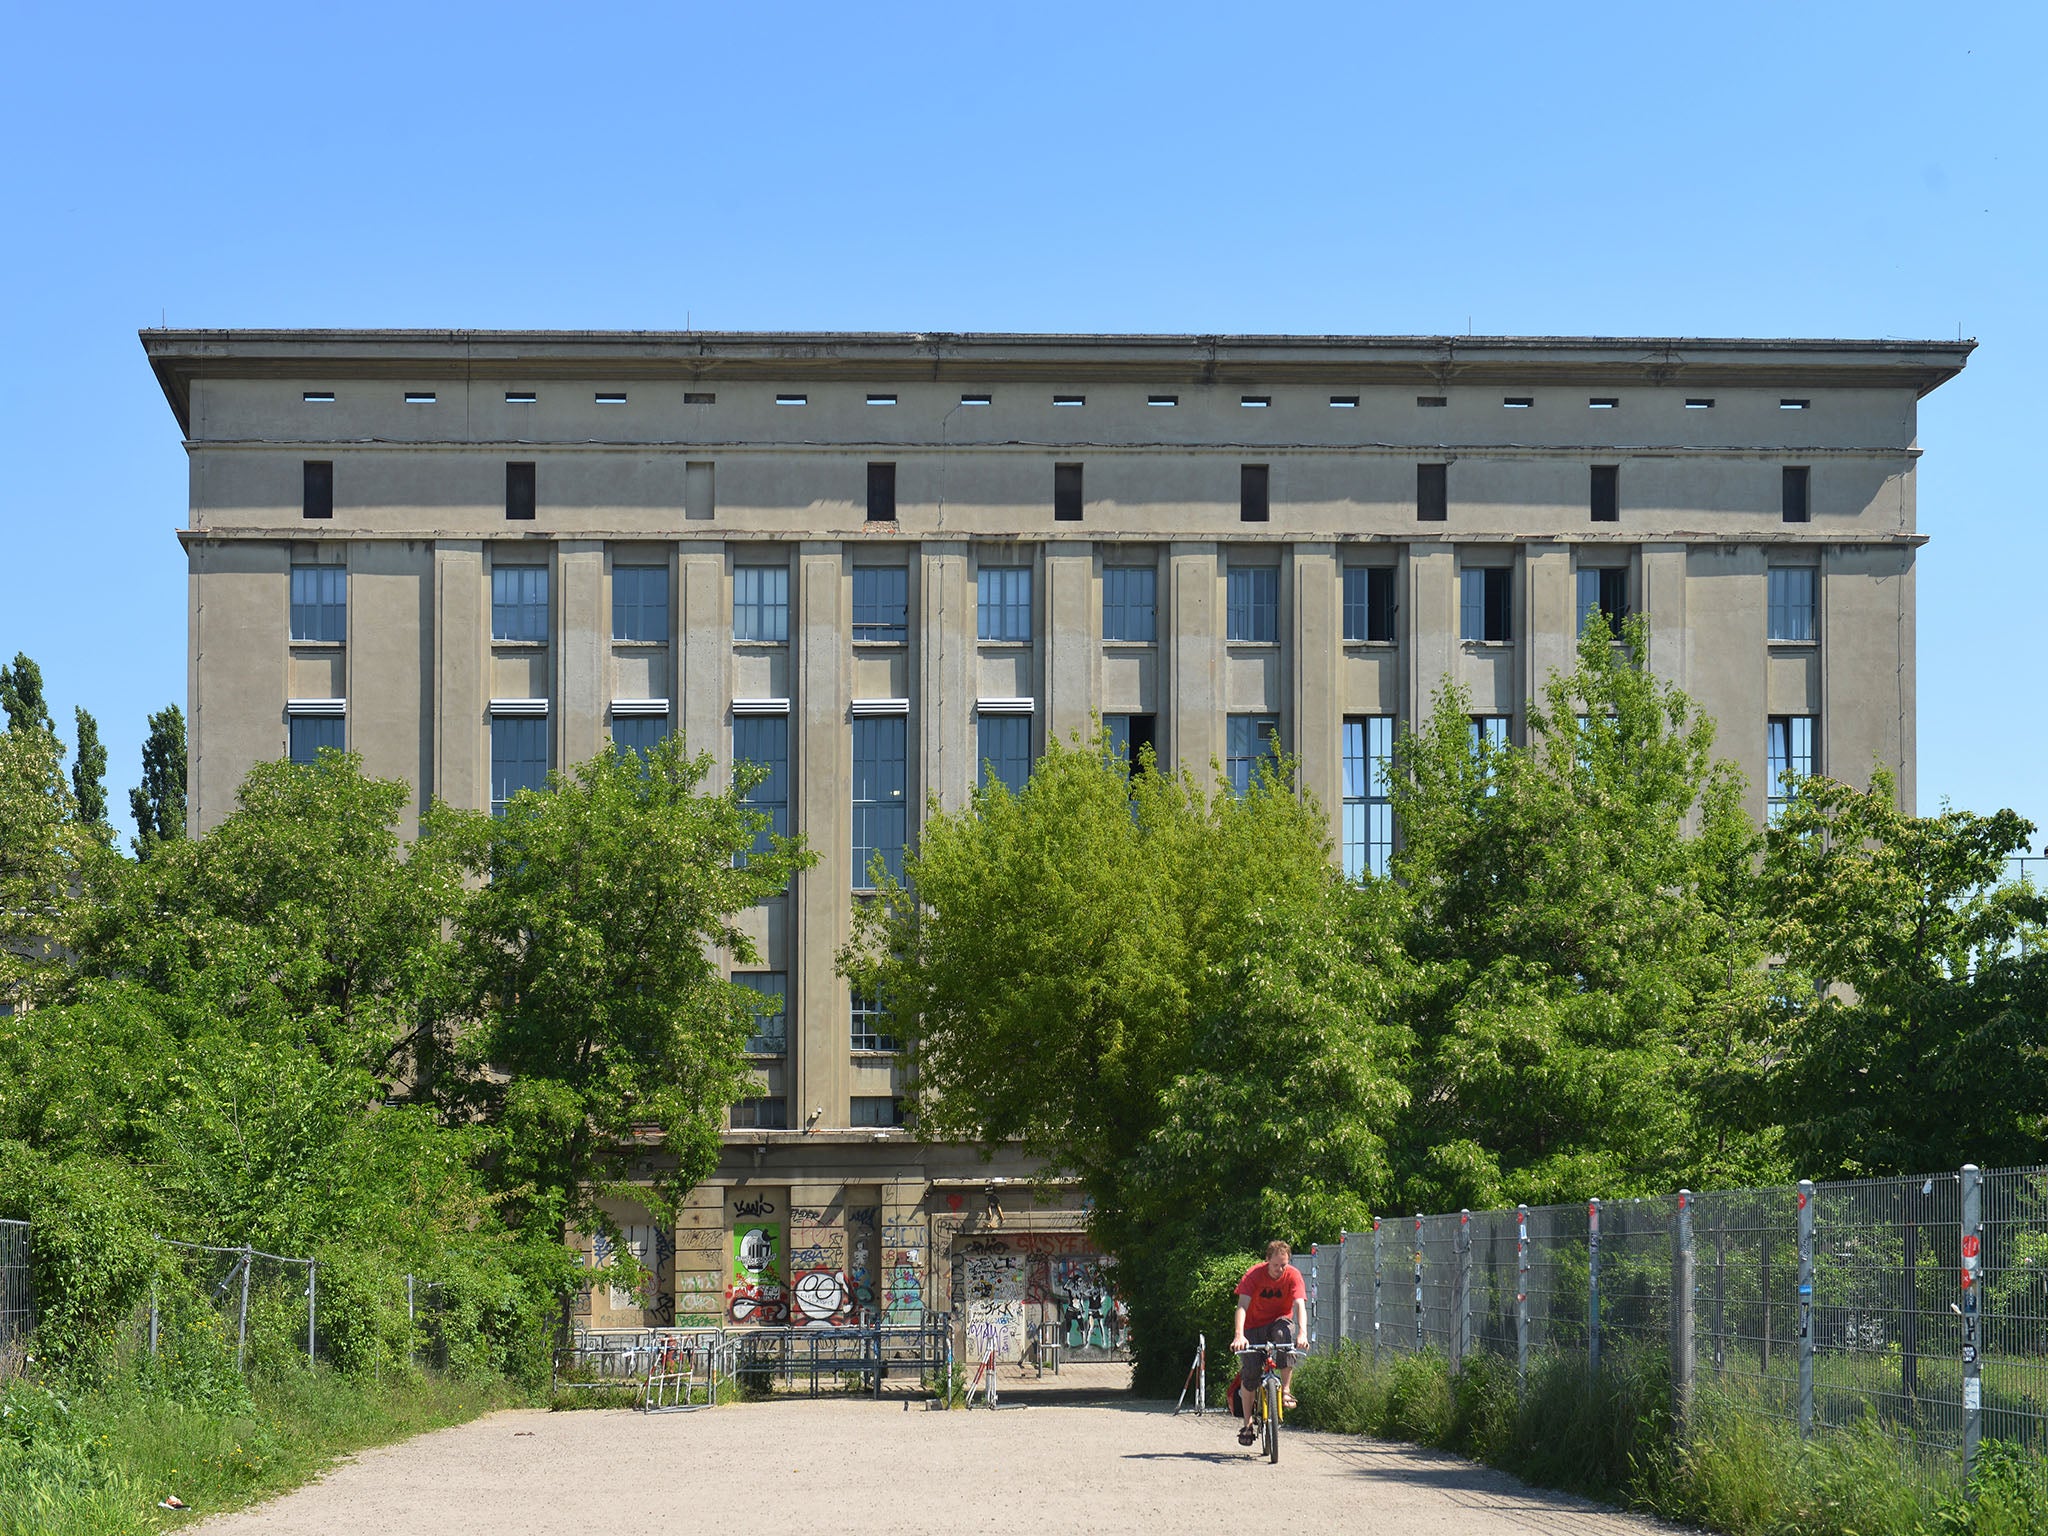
(858, 1467)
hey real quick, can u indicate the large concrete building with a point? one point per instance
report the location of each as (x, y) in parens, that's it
(880, 564)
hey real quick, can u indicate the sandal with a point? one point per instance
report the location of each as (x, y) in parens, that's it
(1246, 1434)
(1287, 1401)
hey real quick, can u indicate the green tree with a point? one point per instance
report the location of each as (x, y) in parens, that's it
(39, 861)
(1921, 1037)
(89, 775)
(21, 696)
(1591, 984)
(598, 1015)
(1165, 992)
(158, 802)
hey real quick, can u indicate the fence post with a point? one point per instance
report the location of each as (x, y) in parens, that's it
(312, 1303)
(1343, 1288)
(1972, 1274)
(1375, 1289)
(1521, 1294)
(152, 1319)
(1593, 1288)
(242, 1319)
(1805, 1307)
(1314, 1297)
(411, 1354)
(1682, 1337)
(1418, 1283)
(1461, 1319)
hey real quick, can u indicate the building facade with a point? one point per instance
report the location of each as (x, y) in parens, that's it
(880, 565)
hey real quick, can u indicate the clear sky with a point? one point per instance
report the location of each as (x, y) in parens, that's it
(1724, 170)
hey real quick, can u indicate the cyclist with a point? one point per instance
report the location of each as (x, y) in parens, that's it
(1272, 1308)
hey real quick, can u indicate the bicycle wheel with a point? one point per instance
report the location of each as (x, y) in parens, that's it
(1273, 1421)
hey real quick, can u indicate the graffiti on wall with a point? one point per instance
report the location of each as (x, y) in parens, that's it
(1091, 1313)
(903, 1278)
(821, 1298)
(861, 1249)
(994, 1287)
(756, 1293)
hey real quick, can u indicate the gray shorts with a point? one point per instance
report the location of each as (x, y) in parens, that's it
(1280, 1331)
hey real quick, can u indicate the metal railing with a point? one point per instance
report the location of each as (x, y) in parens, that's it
(814, 1361)
(1919, 1304)
(17, 1293)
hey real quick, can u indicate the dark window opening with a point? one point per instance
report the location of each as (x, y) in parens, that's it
(318, 495)
(1699, 405)
(1253, 485)
(881, 399)
(1603, 403)
(977, 399)
(319, 397)
(1432, 400)
(1486, 604)
(521, 397)
(1379, 602)
(604, 397)
(1255, 402)
(1344, 402)
(1606, 493)
(1069, 399)
(761, 1115)
(1793, 405)
(519, 497)
(1796, 494)
(1162, 399)
(1066, 493)
(881, 493)
(1603, 595)
(1432, 493)
(1130, 737)
(1519, 402)
(693, 397)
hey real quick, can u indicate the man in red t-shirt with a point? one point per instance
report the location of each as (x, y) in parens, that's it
(1272, 1308)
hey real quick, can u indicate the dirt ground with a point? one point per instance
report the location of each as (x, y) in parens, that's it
(855, 1467)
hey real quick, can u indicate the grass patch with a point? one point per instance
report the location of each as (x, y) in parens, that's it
(1746, 1474)
(98, 1464)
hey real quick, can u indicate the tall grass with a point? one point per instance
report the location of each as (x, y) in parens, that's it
(1613, 1439)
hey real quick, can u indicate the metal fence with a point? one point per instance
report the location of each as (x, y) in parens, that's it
(1919, 1303)
(17, 1297)
(812, 1361)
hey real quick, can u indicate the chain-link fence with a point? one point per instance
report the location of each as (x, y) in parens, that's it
(17, 1298)
(1919, 1304)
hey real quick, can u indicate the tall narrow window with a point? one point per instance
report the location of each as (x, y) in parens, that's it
(764, 741)
(519, 757)
(1130, 603)
(1432, 493)
(1003, 602)
(312, 732)
(519, 493)
(1368, 811)
(870, 1024)
(319, 602)
(1485, 603)
(1606, 493)
(881, 604)
(1793, 493)
(1788, 758)
(638, 734)
(317, 488)
(881, 493)
(879, 809)
(1128, 739)
(1369, 602)
(1252, 741)
(1252, 604)
(1066, 493)
(1603, 595)
(770, 1036)
(1789, 609)
(760, 603)
(1004, 743)
(1253, 486)
(640, 602)
(519, 602)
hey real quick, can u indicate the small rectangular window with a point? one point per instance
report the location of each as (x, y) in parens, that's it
(1793, 405)
(770, 1036)
(1253, 485)
(881, 399)
(519, 603)
(760, 604)
(1794, 493)
(317, 489)
(875, 1110)
(792, 399)
(881, 493)
(1252, 604)
(1069, 399)
(1603, 596)
(1432, 493)
(1130, 603)
(1488, 734)
(1432, 400)
(521, 397)
(319, 603)
(870, 1025)
(1128, 738)
(1485, 604)
(1699, 404)
(1606, 493)
(977, 399)
(1344, 402)
(696, 397)
(1255, 402)
(1003, 602)
(319, 397)
(1369, 602)
(640, 602)
(1066, 493)
(419, 397)
(638, 734)
(1602, 403)
(1519, 402)
(311, 733)
(1251, 743)
(519, 492)
(763, 1114)
(603, 397)
(519, 757)
(1162, 399)
(1789, 610)
(1003, 745)
(881, 604)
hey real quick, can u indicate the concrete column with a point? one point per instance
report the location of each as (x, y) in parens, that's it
(1662, 596)
(1432, 630)
(1548, 640)
(390, 683)
(1191, 695)
(582, 639)
(704, 651)
(821, 762)
(942, 709)
(1315, 648)
(1073, 641)
(241, 671)
(461, 694)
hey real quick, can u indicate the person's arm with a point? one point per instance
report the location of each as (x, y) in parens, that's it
(1237, 1339)
(1301, 1321)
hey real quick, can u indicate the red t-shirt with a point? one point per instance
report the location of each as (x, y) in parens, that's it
(1267, 1300)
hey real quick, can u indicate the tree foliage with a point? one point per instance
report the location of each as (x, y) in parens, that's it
(89, 774)
(158, 802)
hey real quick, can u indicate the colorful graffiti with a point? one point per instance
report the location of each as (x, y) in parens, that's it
(1093, 1316)
(756, 1294)
(822, 1298)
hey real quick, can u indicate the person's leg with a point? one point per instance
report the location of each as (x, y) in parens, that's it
(1283, 1332)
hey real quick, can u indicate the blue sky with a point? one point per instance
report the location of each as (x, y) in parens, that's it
(1731, 170)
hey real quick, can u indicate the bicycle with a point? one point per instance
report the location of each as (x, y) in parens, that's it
(1266, 1401)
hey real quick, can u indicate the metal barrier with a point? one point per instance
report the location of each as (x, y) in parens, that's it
(17, 1293)
(816, 1361)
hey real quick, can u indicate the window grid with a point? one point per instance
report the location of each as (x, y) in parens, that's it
(770, 1036)
(875, 1109)
(1003, 600)
(519, 603)
(1603, 594)
(640, 602)
(312, 732)
(1368, 810)
(1789, 606)
(1484, 603)
(519, 757)
(1252, 604)
(1788, 750)
(764, 740)
(760, 603)
(1130, 603)
(879, 810)
(1004, 750)
(761, 1115)
(1369, 602)
(868, 1019)
(319, 602)
(1251, 740)
(881, 603)
(638, 734)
